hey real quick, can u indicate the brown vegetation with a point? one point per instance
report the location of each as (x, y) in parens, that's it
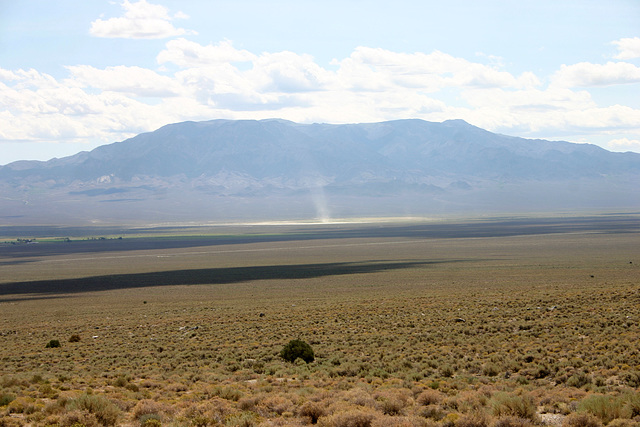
(486, 332)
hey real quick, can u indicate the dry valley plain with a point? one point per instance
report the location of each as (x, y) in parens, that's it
(487, 322)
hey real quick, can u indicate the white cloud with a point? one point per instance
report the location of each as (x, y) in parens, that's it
(186, 54)
(289, 72)
(529, 100)
(428, 71)
(135, 81)
(201, 82)
(585, 74)
(141, 20)
(624, 144)
(39, 108)
(628, 48)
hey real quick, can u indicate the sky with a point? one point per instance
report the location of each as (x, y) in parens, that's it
(78, 74)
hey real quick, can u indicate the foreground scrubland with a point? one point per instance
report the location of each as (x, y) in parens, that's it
(407, 330)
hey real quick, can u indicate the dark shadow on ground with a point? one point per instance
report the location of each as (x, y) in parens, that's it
(208, 276)
(504, 227)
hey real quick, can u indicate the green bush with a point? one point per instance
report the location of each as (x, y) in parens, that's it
(52, 344)
(103, 409)
(150, 420)
(578, 380)
(632, 405)
(606, 408)
(631, 378)
(297, 349)
(6, 398)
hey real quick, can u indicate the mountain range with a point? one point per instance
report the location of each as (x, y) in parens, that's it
(227, 170)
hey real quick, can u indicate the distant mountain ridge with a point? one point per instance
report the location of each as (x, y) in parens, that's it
(223, 169)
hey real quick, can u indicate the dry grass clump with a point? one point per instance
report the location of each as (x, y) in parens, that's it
(513, 405)
(473, 419)
(581, 419)
(430, 397)
(103, 409)
(313, 411)
(513, 422)
(622, 422)
(75, 418)
(150, 409)
(350, 418)
(212, 412)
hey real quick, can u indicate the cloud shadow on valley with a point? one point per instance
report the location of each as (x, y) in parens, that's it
(208, 276)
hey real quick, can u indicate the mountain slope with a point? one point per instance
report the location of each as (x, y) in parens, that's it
(223, 169)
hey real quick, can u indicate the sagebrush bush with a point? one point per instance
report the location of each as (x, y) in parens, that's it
(632, 405)
(606, 408)
(621, 422)
(578, 380)
(313, 410)
(351, 418)
(105, 411)
(53, 344)
(148, 407)
(244, 419)
(631, 378)
(473, 419)
(150, 420)
(77, 418)
(513, 422)
(6, 398)
(507, 404)
(297, 349)
(581, 419)
(429, 397)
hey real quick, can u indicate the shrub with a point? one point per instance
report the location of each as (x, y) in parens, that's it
(606, 408)
(578, 380)
(447, 371)
(581, 419)
(297, 349)
(631, 378)
(503, 403)
(393, 401)
(22, 405)
(53, 344)
(619, 422)
(105, 411)
(226, 392)
(150, 420)
(79, 418)
(490, 370)
(275, 403)
(434, 412)
(147, 407)
(513, 422)
(120, 382)
(429, 397)
(6, 398)
(352, 418)
(474, 419)
(632, 405)
(74, 338)
(313, 410)
(244, 419)
(406, 421)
